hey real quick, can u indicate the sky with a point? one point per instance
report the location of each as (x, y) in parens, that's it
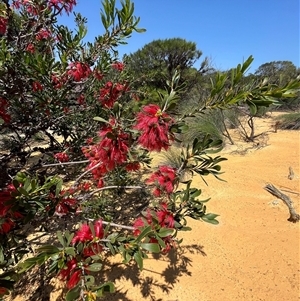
(227, 32)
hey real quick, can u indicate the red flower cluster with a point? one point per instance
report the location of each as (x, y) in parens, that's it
(67, 5)
(111, 151)
(163, 179)
(84, 234)
(154, 126)
(36, 86)
(43, 34)
(3, 291)
(81, 99)
(7, 217)
(3, 113)
(61, 157)
(3, 25)
(98, 75)
(110, 93)
(31, 8)
(118, 66)
(66, 205)
(164, 218)
(30, 48)
(79, 71)
(58, 81)
(71, 272)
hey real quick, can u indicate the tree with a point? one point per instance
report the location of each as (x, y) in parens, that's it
(156, 62)
(277, 72)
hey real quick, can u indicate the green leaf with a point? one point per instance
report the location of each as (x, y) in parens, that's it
(60, 238)
(144, 233)
(94, 267)
(70, 251)
(252, 107)
(139, 260)
(73, 294)
(107, 287)
(151, 247)
(164, 232)
(49, 249)
(185, 229)
(97, 118)
(211, 215)
(210, 218)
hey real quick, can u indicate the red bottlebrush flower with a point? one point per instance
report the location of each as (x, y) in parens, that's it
(3, 291)
(58, 81)
(30, 48)
(164, 180)
(81, 99)
(79, 71)
(61, 157)
(6, 225)
(92, 249)
(110, 152)
(133, 166)
(65, 206)
(85, 233)
(71, 272)
(139, 223)
(3, 113)
(3, 25)
(100, 183)
(98, 75)
(118, 66)
(85, 186)
(154, 126)
(36, 86)
(169, 242)
(67, 5)
(43, 34)
(110, 93)
(71, 265)
(74, 279)
(165, 217)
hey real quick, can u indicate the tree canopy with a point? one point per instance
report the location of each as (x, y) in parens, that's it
(277, 71)
(156, 62)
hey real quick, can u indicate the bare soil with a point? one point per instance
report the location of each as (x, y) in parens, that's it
(253, 254)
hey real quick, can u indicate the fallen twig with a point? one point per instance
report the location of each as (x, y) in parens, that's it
(294, 216)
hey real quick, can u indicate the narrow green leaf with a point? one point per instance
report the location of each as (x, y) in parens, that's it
(73, 294)
(151, 247)
(97, 118)
(94, 267)
(164, 232)
(139, 260)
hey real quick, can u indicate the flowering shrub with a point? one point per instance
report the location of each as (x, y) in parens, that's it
(97, 132)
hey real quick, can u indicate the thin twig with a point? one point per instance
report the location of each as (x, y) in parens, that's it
(81, 176)
(113, 225)
(66, 163)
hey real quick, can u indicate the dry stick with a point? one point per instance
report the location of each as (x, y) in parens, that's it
(294, 216)
(291, 173)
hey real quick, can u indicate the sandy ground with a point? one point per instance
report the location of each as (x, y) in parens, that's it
(253, 254)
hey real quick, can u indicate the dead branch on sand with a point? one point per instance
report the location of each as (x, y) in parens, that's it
(294, 216)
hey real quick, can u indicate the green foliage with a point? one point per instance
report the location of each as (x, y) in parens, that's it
(157, 61)
(288, 121)
(277, 72)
